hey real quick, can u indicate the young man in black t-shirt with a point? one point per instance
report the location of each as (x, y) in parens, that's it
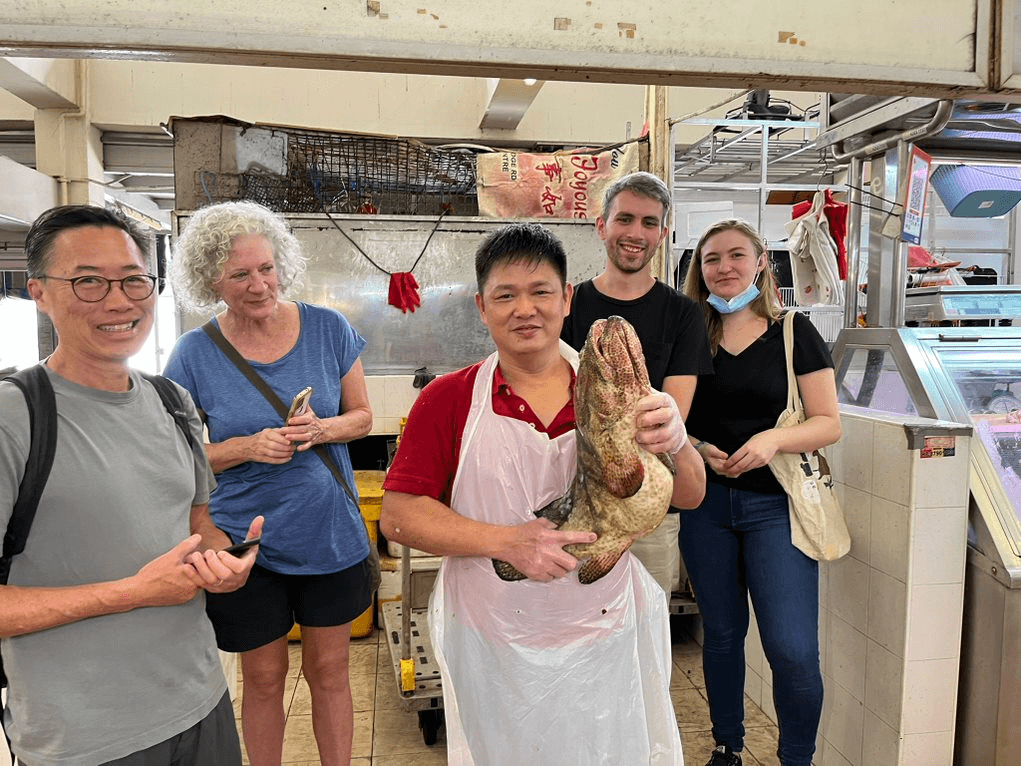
(632, 225)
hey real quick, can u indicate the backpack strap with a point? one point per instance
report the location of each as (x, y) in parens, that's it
(42, 417)
(171, 399)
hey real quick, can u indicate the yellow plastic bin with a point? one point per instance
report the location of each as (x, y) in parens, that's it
(370, 495)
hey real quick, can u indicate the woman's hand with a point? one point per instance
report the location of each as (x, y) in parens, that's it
(270, 445)
(714, 457)
(306, 430)
(754, 453)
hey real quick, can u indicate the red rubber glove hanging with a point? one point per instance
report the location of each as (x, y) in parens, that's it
(404, 291)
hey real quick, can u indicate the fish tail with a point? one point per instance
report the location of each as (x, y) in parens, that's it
(598, 566)
(506, 572)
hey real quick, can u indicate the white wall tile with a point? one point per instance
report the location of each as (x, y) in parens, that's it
(827, 755)
(942, 482)
(890, 538)
(931, 749)
(753, 685)
(930, 696)
(891, 471)
(846, 657)
(377, 395)
(400, 394)
(888, 600)
(825, 621)
(835, 453)
(881, 744)
(857, 453)
(857, 506)
(767, 704)
(934, 622)
(842, 722)
(884, 681)
(848, 595)
(939, 545)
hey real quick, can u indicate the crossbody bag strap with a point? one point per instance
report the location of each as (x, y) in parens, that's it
(270, 395)
(793, 396)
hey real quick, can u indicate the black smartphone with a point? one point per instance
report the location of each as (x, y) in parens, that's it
(239, 548)
(299, 403)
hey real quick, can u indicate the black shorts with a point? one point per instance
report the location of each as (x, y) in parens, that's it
(269, 604)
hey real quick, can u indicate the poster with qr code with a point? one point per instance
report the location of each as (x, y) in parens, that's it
(914, 199)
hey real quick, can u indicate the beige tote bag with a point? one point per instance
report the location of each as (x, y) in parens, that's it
(818, 528)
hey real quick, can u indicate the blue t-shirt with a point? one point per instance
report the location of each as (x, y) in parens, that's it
(312, 527)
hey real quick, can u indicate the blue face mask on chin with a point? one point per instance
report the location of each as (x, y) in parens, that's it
(736, 303)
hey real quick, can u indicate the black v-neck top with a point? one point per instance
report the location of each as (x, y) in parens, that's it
(748, 393)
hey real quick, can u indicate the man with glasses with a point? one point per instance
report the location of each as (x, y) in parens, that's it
(109, 655)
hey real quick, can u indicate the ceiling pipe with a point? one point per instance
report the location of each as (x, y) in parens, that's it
(944, 111)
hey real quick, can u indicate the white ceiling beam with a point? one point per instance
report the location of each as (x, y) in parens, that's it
(508, 102)
(42, 83)
(650, 42)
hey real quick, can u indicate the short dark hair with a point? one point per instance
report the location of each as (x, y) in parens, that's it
(49, 225)
(528, 242)
(644, 185)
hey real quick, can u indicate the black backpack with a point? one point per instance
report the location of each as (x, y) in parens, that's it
(42, 416)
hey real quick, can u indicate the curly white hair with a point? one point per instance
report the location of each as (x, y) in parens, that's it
(202, 249)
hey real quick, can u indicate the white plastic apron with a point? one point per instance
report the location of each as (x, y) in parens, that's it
(544, 673)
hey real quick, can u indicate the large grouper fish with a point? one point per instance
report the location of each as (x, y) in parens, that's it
(620, 491)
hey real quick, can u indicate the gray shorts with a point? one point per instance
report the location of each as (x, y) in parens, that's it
(213, 741)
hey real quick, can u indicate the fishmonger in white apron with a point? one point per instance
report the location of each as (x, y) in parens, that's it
(555, 673)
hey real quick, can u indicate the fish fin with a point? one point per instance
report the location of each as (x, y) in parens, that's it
(597, 566)
(668, 461)
(623, 476)
(506, 572)
(559, 510)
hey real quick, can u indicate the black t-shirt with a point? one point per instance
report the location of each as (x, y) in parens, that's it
(669, 325)
(748, 393)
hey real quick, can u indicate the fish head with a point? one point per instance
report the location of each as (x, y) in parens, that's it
(611, 379)
(611, 367)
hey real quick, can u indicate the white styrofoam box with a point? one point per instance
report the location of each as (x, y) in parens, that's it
(390, 397)
(389, 586)
(396, 550)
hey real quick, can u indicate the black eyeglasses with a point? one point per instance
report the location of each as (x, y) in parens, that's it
(93, 289)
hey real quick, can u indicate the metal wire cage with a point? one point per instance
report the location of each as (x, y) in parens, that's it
(348, 173)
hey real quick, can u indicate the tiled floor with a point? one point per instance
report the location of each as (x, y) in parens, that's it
(386, 735)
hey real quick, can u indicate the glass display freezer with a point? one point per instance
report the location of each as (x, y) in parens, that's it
(967, 375)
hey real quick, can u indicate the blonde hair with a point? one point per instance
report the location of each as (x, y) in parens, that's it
(203, 247)
(766, 304)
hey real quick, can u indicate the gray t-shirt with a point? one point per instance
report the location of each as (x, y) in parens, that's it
(120, 493)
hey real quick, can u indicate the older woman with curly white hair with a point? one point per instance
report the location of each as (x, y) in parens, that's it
(313, 566)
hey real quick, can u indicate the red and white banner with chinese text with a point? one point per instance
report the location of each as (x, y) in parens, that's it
(561, 185)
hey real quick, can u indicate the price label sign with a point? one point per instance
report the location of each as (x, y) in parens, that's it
(915, 195)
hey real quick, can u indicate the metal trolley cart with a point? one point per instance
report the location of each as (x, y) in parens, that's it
(407, 632)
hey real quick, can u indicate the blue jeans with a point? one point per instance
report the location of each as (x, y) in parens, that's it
(739, 543)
